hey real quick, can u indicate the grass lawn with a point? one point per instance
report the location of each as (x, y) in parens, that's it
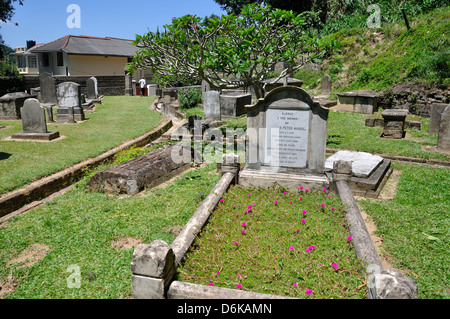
(277, 242)
(81, 228)
(415, 227)
(117, 119)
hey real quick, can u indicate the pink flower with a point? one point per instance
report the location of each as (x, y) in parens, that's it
(290, 202)
(291, 248)
(210, 284)
(300, 198)
(244, 224)
(301, 187)
(234, 206)
(304, 212)
(323, 205)
(329, 195)
(218, 272)
(249, 194)
(221, 200)
(311, 247)
(307, 250)
(349, 238)
(332, 208)
(243, 232)
(239, 286)
(324, 189)
(246, 212)
(235, 243)
(276, 202)
(335, 266)
(284, 193)
(250, 206)
(308, 291)
(298, 230)
(295, 284)
(303, 221)
(237, 215)
(306, 190)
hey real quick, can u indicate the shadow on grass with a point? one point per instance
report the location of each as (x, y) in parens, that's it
(333, 140)
(4, 156)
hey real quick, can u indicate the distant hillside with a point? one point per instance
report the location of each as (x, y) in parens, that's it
(378, 59)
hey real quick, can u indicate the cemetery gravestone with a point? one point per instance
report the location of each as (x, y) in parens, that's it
(48, 88)
(92, 88)
(394, 123)
(232, 104)
(444, 131)
(326, 85)
(364, 101)
(69, 95)
(33, 122)
(11, 103)
(211, 105)
(286, 144)
(435, 117)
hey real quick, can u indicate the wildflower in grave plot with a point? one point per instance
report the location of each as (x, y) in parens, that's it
(308, 291)
(238, 286)
(349, 238)
(335, 266)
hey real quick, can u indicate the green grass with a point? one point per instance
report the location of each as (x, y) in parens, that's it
(272, 257)
(79, 228)
(415, 227)
(116, 120)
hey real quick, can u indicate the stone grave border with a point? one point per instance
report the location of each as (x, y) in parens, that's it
(154, 265)
(15, 200)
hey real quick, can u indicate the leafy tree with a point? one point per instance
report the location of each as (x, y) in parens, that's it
(229, 52)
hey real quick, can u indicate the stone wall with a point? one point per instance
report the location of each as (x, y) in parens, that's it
(107, 85)
(416, 98)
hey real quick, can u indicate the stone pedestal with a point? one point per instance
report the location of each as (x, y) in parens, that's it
(394, 123)
(363, 101)
(232, 104)
(11, 103)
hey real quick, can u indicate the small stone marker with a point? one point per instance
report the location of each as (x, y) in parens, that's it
(33, 122)
(444, 131)
(394, 123)
(48, 88)
(435, 117)
(326, 85)
(363, 164)
(69, 95)
(92, 88)
(211, 105)
(287, 134)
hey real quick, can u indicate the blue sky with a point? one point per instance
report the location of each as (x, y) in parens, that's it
(46, 20)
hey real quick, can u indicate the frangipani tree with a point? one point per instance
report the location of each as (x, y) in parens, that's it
(230, 51)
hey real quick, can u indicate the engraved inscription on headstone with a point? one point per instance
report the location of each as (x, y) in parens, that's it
(287, 138)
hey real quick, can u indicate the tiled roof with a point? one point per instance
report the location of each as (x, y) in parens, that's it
(86, 45)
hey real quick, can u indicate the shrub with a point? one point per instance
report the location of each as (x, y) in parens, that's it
(189, 97)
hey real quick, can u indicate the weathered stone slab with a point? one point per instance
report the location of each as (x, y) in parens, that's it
(69, 96)
(363, 164)
(143, 172)
(11, 103)
(435, 117)
(361, 101)
(211, 105)
(394, 123)
(92, 88)
(48, 88)
(326, 85)
(270, 84)
(232, 104)
(443, 143)
(34, 123)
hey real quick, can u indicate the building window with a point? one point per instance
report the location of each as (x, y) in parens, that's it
(45, 60)
(21, 62)
(32, 62)
(60, 58)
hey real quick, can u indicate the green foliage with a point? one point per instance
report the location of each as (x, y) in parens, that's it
(189, 97)
(231, 51)
(309, 77)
